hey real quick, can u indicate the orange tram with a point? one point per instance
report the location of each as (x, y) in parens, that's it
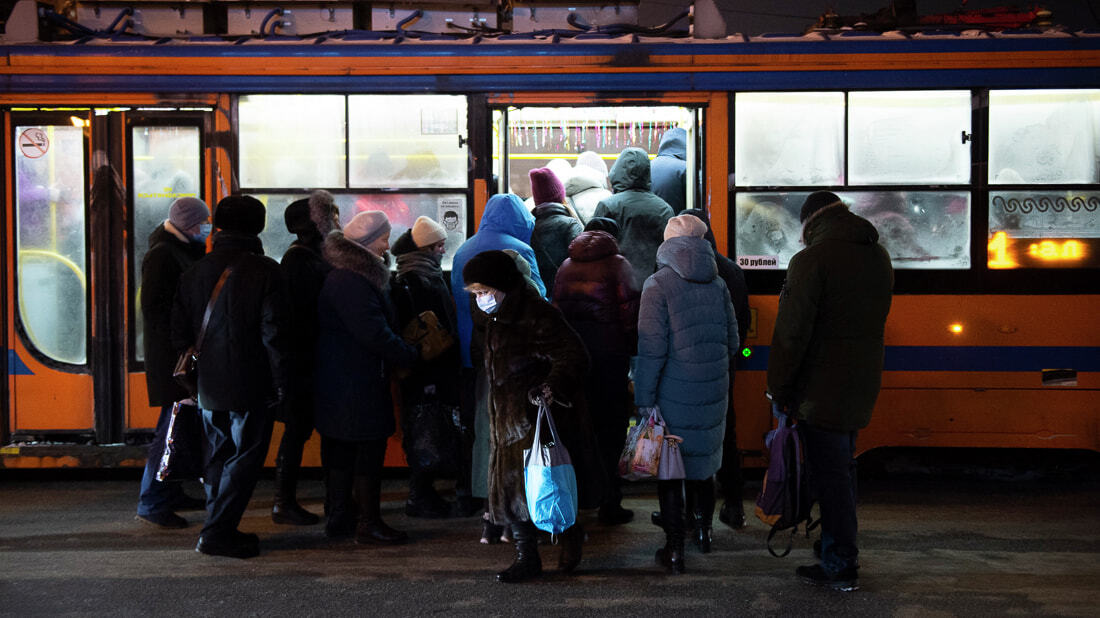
(976, 155)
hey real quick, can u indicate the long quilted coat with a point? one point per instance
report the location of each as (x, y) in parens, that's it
(686, 333)
(527, 344)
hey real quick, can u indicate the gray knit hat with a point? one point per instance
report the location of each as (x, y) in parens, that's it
(187, 212)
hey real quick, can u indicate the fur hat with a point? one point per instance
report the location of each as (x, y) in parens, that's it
(321, 208)
(367, 227)
(187, 212)
(815, 202)
(546, 186)
(297, 218)
(495, 269)
(685, 225)
(243, 214)
(426, 232)
(602, 224)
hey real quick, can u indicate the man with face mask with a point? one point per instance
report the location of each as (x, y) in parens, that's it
(174, 246)
(357, 347)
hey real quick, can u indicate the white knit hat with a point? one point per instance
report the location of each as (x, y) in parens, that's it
(367, 227)
(685, 225)
(426, 232)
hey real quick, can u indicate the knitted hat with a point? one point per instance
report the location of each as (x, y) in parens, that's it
(593, 161)
(426, 232)
(602, 224)
(685, 225)
(815, 202)
(546, 186)
(187, 212)
(495, 269)
(240, 213)
(367, 227)
(297, 218)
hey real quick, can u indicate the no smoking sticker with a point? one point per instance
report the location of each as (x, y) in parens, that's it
(33, 143)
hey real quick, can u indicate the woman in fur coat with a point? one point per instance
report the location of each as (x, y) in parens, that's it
(530, 350)
(356, 348)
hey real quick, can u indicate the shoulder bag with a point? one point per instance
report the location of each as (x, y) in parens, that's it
(186, 372)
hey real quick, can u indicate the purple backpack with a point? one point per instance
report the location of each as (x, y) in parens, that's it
(784, 501)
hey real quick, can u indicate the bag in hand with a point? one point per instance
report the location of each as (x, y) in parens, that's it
(431, 437)
(671, 467)
(550, 482)
(182, 458)
(425, 332)
(641, 456)
(186, 372)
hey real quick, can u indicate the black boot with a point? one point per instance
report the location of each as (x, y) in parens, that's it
(339, 505)
(527, 563)
(702, 493)
(732, 513)
(371, 530)
(286, 509)
(423, 500)
(671, 497)
(572, 541)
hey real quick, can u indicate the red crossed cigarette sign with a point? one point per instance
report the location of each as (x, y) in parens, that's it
(33, 143)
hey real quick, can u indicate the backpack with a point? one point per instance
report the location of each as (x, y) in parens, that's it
(784, 501)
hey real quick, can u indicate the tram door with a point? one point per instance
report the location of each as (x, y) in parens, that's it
(85, 189)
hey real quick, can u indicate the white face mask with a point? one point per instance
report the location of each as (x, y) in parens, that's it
(487, 303)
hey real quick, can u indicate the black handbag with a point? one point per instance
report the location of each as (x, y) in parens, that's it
(186, 371)
(431, 437)
(182, 458)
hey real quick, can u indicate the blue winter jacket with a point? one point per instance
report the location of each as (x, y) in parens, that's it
(669, 170)
(505, 224)
(687, 333)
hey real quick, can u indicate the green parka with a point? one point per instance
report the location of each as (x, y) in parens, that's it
(827, 349)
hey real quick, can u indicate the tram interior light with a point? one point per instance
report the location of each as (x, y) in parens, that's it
(78, 121)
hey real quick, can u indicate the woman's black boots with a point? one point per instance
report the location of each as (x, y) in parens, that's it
(286, 509)
(703, 512)
(527, 563)
(371, 530)
(670, 494)
(571, 541)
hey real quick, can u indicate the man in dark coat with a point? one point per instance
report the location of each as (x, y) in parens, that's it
(555, 228)
(304, 270)
(641, 215)
(432, 388)
(596, 294)
(729, 475)
(242, 370)
(825, 367)
(174, 246)
(669, 169)
(530, 350)
(356, 349)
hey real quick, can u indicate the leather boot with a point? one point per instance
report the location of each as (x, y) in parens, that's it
(572, 542)
(671, 497)
(371, 529)
(527, 563)
(423, 500)
(286, 509)
(339, 505)
(703, 494)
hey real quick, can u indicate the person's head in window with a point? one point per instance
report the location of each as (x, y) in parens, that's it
(240, 214)
(490, 276)
(370, 230)
(190, 216)
(429, 236)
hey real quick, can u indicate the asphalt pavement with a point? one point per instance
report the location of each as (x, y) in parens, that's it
(932, 544)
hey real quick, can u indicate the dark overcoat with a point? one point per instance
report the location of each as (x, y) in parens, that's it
(304, 269)
(554, 229)
(527, 344)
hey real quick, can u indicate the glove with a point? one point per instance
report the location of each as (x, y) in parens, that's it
(541, 392)
(644, 412)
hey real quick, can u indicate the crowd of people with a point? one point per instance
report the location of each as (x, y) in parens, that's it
(603, 311)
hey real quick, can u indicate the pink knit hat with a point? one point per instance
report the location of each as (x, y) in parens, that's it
(546, 186)
(685, 225)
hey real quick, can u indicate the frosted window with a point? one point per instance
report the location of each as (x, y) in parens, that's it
(405, 141)
(920, 229)
(908, 137)
(1044, 229)
(401, 208)
(166, 167)
(1044, 136)
(789, 139)
(50, 228)
(292, 141)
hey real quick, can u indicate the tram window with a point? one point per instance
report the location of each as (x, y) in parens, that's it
(555, 137)
(50, 239)
(790, 139)
(407, 141)
(920, 229)
(908, 137)
(1044, 229)
(166, 164)
(401, 208)
(1044, 136)
(292, 141)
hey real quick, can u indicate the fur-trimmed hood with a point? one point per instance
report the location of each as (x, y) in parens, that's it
(343, 253)
(321, 205)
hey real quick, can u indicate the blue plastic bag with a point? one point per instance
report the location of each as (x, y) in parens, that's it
(549, 479)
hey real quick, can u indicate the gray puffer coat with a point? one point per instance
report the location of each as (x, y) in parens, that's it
(687, 332)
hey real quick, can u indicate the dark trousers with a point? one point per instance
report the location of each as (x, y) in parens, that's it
(297, 428)
(832, 468)
(158, 496)
(467, 407)
(608, 395)
(729, 475)
(236, 443)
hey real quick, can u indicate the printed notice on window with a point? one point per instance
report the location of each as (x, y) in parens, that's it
(762, 262)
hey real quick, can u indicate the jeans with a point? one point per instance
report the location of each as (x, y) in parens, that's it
(832, 469)
(236, 443)
(158, 496)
